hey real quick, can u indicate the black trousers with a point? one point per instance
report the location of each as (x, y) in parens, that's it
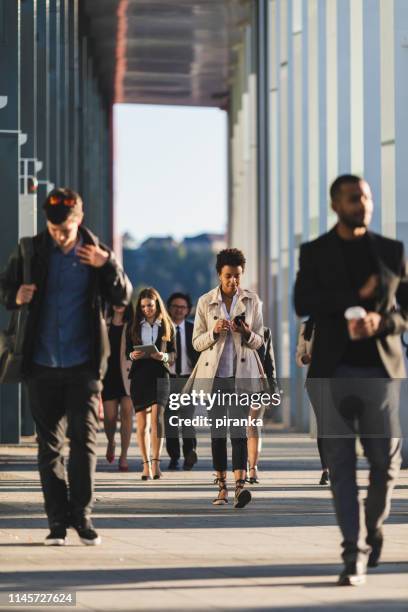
(172, 432)
(322, 453)
(173, 440)
(64, 403)
(359, 402)
(222, 411)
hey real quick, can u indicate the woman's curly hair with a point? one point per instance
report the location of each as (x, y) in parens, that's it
(230, 257)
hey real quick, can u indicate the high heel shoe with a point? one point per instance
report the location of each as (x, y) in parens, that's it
(221, 498)
(145, 476)
(110, 453)
(253, 479)
(242, 496)
(123, 465)
(158, 475)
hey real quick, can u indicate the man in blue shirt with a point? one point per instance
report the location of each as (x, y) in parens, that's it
(66, 348)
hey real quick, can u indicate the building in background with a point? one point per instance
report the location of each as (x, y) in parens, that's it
(313, 88)
(321, 89)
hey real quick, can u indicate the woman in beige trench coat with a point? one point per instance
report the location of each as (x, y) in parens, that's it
(228, 330)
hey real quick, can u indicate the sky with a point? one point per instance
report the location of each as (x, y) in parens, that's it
(170, 170)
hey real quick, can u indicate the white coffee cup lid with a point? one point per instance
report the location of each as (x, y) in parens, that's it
(355, 312)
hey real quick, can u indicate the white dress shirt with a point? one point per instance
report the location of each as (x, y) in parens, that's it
(227, 363)
(149, 332)
(186, 368)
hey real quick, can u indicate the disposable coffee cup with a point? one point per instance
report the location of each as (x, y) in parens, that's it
(353, 314)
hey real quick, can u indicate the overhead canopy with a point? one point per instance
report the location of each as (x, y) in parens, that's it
(167, 51)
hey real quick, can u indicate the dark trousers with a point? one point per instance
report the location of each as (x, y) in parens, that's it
(238, 433)
(322, 454)
(314, 399)
(64, 402)
(173, 441)
(172, 432)
(373, 410)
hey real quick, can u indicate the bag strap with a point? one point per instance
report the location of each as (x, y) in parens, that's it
(27, 250)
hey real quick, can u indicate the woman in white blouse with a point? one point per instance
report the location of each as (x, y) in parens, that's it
(149, 375)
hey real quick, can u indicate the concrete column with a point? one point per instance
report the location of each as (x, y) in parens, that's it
(10, 33)
(43, 106)
(55, 174)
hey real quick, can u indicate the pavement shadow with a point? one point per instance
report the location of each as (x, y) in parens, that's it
(122, 577)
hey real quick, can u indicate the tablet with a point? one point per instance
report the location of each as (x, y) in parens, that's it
(148, 349)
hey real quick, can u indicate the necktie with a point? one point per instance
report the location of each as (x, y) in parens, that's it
(178, 349)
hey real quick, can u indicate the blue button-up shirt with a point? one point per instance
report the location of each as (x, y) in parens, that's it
(64, 333)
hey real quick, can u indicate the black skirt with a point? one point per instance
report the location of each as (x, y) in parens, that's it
(113, 388)
(150, 384)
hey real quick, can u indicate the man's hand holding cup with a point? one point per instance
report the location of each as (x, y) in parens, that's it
(362, 324)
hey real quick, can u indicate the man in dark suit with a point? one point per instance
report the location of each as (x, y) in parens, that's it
(348, 267)
(179, 307)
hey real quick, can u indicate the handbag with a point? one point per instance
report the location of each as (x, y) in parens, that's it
(12, 339)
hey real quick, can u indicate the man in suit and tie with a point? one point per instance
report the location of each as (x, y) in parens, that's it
(179, 307)
(347, 267)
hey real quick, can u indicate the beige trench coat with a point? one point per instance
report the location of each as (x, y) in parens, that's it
(249, 366)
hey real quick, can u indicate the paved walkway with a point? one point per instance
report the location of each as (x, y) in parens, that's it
(166, 548)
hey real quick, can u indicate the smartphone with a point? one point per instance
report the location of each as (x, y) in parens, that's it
(239, 319)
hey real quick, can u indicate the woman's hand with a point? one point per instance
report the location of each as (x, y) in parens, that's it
(222, 325)
(157, 356)
(134, 355)
(242, 329)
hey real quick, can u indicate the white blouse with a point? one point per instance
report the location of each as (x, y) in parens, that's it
(149, 332)
(227, 362)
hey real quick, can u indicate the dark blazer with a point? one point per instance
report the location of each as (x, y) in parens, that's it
(267, 355)
(193, 355)
(161, 345)
(107, 284)
(322, 291)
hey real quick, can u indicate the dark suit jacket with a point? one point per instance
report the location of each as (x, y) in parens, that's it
(322, 291)
(267, 357)
(192, 354)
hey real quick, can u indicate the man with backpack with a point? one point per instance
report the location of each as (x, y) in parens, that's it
(65, 353)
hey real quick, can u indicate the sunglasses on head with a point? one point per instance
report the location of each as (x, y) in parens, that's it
(62, 199)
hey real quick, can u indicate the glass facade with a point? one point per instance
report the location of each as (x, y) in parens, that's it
(337, 101)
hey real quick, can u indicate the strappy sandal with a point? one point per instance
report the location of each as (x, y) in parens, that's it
(242, 496)
(253, 479)
(159, 474)
(221, 499)
(145, 476)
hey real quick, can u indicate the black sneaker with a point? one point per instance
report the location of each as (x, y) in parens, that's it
(355, 571)
(190, 460)
(87, 533)
(375, 540)
(57, 536)
(325, 480)
(173, 465)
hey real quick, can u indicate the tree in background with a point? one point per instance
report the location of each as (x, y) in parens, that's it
(169, 266)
